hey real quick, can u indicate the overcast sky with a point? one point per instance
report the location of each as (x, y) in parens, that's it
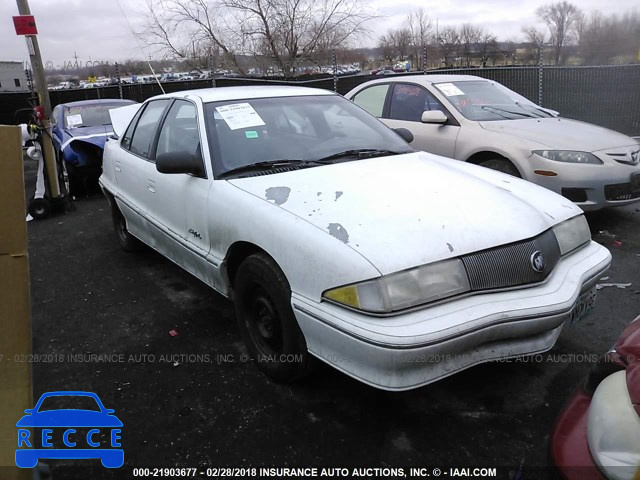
(98, 31)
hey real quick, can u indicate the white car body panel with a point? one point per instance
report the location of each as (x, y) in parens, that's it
(340, 224)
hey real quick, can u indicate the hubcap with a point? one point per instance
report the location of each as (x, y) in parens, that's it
(263, 323)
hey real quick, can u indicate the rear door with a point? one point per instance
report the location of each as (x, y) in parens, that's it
(134, 168)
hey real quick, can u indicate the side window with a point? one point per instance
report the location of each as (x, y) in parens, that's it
(432, 103)
(146, 128)
(179, 131)
(372, 99)
(409, 101)
(126, 138)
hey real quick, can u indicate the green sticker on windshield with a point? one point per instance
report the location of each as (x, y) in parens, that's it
(251, 134)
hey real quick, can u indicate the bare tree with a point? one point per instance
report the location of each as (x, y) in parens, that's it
(387, 47)
(402, 42)
(469, 36)
(420, 29)
(609, 39)
(536, 40)
(449, 43)
(287, 31)
(487, 46)
(561, 18)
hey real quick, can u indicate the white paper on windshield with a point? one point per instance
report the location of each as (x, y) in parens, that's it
(240, 115)
(73, 120)
(449, 89)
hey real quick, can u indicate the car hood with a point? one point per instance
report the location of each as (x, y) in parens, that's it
(407, 210)
(95, 135)
(561, 133)
(69, 418)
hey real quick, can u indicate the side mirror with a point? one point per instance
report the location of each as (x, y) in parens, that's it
(405, 134)
(179, 162)
(433, 116)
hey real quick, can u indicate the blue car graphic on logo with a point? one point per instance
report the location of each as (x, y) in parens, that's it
(79, 426)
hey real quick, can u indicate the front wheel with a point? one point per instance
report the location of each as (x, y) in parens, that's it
(266, 321)
(501, 165)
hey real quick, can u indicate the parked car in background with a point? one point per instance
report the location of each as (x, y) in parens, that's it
(482, 122)
(79, 133)
(597, 435)
(337, 240)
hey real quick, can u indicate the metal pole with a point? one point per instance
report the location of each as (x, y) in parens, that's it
(424, 59)
(335, 70)
(43, 94)
(119, 81)
(540, 73)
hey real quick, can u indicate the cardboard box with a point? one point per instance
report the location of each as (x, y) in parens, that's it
(15, 315)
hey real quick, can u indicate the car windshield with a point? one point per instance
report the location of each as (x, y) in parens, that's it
(484, 100)
(69, 402)
(88, 116)
(304, 129)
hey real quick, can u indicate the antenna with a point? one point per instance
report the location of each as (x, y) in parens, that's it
(139, 45)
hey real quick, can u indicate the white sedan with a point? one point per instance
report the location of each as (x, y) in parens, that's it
(482, 122)
(337, 241)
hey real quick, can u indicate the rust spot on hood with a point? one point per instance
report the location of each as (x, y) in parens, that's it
(277, 195)
(338, 231)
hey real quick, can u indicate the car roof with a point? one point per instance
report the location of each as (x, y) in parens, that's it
(98, 101)
(427, 79)
(240, 93)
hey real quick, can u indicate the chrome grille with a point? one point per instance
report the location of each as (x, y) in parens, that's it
(511, 265)
(629, 158)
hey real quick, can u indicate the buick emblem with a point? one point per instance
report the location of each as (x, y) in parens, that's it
(537, 261)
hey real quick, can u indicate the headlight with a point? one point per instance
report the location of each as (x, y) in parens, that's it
(613, 429)
(404, 289)
(572, 233)
(567, 156)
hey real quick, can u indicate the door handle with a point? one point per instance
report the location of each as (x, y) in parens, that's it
(151, 188)
(118, 167)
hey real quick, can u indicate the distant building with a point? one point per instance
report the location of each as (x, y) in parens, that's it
(12, 77)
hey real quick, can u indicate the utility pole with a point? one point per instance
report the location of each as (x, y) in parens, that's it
(41, 87)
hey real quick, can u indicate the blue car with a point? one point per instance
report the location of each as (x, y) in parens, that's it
(80, 130)
(79, 428)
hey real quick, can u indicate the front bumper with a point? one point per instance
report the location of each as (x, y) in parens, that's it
(407, 351)
(591, 187)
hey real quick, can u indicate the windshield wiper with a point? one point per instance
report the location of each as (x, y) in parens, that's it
(534, 107)
(498, 109)
(359, 153)
(269, 165)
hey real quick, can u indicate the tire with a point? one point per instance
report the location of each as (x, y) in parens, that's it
(501, 165)
(128, 242)
(39, 208)
(269, 328)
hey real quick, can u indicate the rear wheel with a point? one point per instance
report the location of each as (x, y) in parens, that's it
(128, 242)
(266, 321)
(39, 208)
(501, 165)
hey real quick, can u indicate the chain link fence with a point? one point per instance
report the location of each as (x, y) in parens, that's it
(603, 95)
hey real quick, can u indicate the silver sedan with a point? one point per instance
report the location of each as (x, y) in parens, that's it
(482, 122)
